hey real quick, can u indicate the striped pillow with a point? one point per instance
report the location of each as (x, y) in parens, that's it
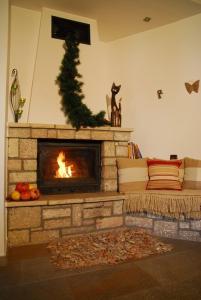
(133, 174)
(192, 173)
(163, 174)
(181, 170)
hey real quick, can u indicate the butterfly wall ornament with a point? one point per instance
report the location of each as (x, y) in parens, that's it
(192, 87)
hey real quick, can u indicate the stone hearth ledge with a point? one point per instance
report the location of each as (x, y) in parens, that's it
(56, 216)
(48, 200)
(35, 131)
(67, 126)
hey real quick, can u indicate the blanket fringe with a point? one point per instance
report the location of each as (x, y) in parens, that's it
(164, 204)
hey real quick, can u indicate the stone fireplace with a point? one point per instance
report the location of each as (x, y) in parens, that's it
(24, 138)
(56, 215)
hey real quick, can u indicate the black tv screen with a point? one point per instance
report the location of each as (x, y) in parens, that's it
(61, 27)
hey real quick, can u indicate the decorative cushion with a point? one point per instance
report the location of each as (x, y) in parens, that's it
(133, 174)
(163, 174)
(192, 173)
(181, 169)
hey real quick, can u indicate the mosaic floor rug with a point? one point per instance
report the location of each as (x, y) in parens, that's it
(101, 248)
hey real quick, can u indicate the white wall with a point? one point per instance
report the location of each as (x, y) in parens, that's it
(38, 58)
(24, 30)
(4, 15)
(163, 58)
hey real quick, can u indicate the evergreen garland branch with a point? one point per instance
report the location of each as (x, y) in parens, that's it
(70, 89)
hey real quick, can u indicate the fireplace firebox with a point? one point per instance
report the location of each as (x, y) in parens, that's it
(66, 166)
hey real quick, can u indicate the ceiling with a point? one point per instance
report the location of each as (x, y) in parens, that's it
(120, 18)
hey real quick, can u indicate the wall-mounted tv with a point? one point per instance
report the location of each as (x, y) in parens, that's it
(61, 27)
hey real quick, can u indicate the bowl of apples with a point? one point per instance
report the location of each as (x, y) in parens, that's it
(24, 191)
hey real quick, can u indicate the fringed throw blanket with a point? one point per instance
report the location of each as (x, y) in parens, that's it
(165, 203)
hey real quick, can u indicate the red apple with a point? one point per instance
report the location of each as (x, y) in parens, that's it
(26, 195)
(35, 194)
(22, 187)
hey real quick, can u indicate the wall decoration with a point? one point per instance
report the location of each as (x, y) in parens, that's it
(192, 87)
(70, 88)
(115, 109)
(15, 97)
(159, 93)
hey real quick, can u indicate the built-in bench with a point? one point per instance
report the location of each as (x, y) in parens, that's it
(166, 208)
(174, 214)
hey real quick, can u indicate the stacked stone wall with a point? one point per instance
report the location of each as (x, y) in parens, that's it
(43, 220)
(170, 228)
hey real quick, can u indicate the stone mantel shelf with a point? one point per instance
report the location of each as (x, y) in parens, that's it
(63, 199)
(67, 127)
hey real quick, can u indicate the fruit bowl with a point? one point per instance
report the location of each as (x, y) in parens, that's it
(24, 192)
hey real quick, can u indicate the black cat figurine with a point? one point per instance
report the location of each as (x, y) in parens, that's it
(115, 109)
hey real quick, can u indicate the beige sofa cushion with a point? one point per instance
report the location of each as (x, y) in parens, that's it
(192, 173)
(132, 174)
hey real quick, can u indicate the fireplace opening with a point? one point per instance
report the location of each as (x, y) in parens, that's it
(65, 166)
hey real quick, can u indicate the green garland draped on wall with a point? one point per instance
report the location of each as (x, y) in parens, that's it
(70, 88)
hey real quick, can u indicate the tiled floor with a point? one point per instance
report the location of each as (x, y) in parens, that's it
(26, 273)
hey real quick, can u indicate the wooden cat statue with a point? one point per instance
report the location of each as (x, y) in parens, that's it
(115, 109)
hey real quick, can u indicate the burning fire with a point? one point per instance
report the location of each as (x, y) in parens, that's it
(63, 170)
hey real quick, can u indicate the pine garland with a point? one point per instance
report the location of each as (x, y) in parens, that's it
(75, 110)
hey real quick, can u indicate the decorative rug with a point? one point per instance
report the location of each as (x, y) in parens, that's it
(101, 248)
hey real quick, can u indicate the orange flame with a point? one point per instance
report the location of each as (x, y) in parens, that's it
(63, 170)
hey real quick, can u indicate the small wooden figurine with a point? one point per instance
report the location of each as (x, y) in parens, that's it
(115, 109)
